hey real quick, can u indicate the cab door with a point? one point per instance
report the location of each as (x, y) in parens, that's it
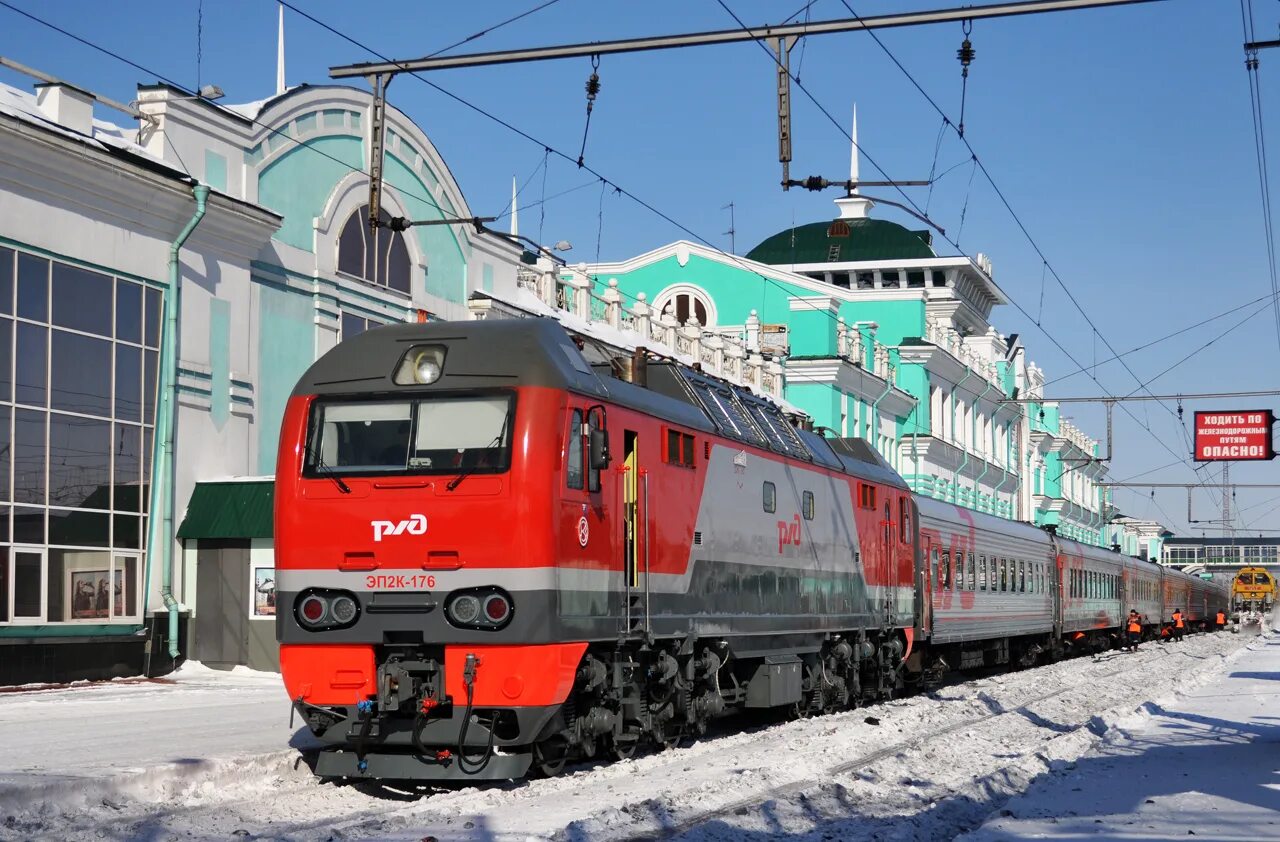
(586, 547)
(634, 534)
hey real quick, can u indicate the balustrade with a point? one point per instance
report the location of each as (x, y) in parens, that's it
(732, 354)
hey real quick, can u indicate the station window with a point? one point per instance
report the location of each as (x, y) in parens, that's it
(381, 257)
(78, 357)
(807, 505)
(770, 497)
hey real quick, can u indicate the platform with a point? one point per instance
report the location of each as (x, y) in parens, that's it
(1202, 765)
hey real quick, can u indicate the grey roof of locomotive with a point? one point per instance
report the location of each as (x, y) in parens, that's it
(539, 352)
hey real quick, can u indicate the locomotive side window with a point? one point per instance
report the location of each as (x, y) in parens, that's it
(679, 450)
(593, 473)
(770, 497)
(904, 521)
(867, 496)
(807, 505)
(573, 475)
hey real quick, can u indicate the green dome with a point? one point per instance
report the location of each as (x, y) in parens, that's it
(842, 241)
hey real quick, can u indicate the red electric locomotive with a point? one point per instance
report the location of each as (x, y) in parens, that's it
(493, 555)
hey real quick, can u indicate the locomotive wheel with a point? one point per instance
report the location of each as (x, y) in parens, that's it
(624, 747)
(669, 735)
(550, 755)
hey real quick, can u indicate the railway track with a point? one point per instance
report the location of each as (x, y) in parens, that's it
(851, 765)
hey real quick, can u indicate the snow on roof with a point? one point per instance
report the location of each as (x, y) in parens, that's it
(106, 136)
(251, 110)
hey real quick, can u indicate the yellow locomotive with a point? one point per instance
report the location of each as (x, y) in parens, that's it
(1254, 589)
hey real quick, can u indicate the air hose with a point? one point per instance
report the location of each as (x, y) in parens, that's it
(362, 740)
(469, 680)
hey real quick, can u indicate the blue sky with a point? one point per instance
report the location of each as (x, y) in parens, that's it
(1122, 138)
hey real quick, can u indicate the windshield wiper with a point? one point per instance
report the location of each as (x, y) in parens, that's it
(327, 471)
(471, 469)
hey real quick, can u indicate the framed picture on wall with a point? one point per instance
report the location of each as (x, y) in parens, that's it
(90, 594)
(264, 591)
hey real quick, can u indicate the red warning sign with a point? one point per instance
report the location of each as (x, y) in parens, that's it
(1234, 436)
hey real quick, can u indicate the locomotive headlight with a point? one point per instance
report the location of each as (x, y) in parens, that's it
(464, 610)
(422, 365)
(343, 609)
(427, 370)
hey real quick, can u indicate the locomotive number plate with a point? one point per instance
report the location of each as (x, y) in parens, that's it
(401, 582)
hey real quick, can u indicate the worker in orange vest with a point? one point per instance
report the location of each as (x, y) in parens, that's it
(1133, 626)
(1179, 624)
(1220, 622)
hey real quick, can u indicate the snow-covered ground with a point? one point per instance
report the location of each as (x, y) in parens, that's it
(1205, 764)
(208, 757)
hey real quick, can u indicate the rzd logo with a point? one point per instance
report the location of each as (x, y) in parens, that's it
(414, 525)
(789, 532)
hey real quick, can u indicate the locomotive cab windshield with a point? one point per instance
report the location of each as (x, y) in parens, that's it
(437, 434)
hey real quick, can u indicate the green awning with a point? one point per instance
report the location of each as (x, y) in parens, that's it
(229, 510)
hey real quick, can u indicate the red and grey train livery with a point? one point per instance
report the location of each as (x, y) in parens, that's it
(495, 555)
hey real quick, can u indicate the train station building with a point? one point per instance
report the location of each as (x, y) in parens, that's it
(1222, 556)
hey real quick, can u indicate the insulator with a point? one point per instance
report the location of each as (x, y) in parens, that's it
(593, 86)
(966, 54)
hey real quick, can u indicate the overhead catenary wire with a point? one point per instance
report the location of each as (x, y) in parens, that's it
(493, 28)
(1260, 152)
(1197, 350)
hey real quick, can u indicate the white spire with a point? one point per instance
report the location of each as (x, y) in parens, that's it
(280, 54)
(515, 212)
(853, 155)
(854, 206)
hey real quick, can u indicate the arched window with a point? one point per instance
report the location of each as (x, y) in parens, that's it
(685, 303)
(382, 260)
